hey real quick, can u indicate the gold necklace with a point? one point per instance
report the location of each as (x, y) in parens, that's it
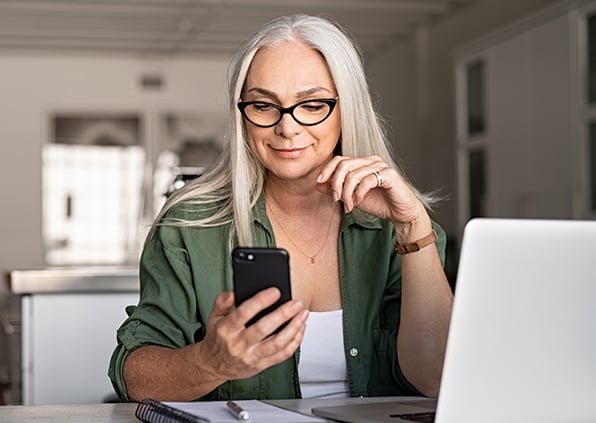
(313, 257)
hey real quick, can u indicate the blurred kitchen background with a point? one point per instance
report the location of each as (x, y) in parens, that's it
(107, 105)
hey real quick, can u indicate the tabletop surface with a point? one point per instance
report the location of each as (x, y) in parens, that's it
(88, 413)
(125, 412)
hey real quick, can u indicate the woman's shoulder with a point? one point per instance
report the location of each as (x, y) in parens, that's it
(193, 209)
(190, 220)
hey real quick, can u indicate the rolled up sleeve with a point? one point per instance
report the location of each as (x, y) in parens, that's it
(167, 311)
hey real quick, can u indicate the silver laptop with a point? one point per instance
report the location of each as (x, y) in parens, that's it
(522, 340)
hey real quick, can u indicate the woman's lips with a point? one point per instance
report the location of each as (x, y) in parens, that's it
(289, 153)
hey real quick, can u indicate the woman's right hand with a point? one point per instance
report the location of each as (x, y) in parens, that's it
(232, 351)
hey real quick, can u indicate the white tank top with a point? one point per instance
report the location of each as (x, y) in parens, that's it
(322, 369)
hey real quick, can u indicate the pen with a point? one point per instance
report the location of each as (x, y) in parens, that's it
(238, 411)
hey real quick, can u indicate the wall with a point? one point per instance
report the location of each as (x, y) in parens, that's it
(530, 136)
(33, 86)
(418, 85)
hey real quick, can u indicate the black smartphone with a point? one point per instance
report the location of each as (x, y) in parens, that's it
(257, 268)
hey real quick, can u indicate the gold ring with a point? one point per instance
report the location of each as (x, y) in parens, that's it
(379, 178)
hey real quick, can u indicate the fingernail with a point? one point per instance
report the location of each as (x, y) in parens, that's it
(335, 196)
(320, 177)
(273, 292)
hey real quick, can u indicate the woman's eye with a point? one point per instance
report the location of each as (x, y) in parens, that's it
(262, 107)
(313, 107)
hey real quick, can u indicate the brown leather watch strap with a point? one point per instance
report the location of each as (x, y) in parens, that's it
(412, 247)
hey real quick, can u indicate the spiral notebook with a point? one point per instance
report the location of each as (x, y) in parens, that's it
(151, 411)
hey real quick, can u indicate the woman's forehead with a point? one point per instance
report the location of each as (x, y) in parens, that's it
(292, 66)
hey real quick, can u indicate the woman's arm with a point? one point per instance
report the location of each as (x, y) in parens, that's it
(228, 351)
(425, 310)
(370, 185)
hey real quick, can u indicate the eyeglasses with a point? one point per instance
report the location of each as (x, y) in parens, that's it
(307, 112)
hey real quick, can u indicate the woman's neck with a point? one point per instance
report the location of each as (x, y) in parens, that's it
(294, 197)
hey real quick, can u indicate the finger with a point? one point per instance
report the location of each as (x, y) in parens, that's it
(228, 335)
(369, 182)
(334, 174)
(224, 301)
(328, 169)
(344, 180)
(277, 348)
(250, 352)
(220, 323)
(351, 182)
(269, 323)
(260, 301)
(325, 188)
(295, 328)
(261, 349)
(356, 177)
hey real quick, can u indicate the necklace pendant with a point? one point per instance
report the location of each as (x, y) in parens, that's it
(312, 260)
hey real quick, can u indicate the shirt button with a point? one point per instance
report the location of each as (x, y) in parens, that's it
(354, 352)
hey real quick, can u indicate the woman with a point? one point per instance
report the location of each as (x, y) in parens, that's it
(306, 169)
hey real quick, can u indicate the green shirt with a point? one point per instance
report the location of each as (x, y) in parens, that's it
(183, 268)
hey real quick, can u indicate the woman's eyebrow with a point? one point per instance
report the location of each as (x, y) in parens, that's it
(311, 91)
(300, 94)
(263, 91)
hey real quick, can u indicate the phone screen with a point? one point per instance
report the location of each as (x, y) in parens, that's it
(257, 268)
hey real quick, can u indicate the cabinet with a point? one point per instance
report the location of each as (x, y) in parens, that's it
(67, 343)
(69, 323)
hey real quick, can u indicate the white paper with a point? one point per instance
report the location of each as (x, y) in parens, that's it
(218, 412)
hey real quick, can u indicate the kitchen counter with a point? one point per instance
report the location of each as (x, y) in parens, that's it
(68, 320)
(74, 279)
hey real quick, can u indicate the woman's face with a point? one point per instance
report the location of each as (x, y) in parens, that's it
(285, 75)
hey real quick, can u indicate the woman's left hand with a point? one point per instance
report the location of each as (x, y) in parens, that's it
(369, 184)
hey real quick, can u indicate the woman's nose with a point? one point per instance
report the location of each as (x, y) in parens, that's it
(287, 127)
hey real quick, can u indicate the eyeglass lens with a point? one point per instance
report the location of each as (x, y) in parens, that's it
(309, 112)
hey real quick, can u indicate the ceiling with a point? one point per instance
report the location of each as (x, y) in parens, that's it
(196, 27)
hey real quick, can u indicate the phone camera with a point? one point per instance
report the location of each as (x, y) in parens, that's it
(244, 256)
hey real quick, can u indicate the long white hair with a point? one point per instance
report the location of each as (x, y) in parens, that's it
(233, 185)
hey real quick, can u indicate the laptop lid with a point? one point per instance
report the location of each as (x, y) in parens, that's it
(522, 340)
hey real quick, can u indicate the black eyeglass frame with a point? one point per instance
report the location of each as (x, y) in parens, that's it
(331, 102)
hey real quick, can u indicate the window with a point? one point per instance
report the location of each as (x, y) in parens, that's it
(591, 59)
(592, 165)
(92, 190)
(476, 178)
(475, 98)
(590, 113)
(472, 139)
